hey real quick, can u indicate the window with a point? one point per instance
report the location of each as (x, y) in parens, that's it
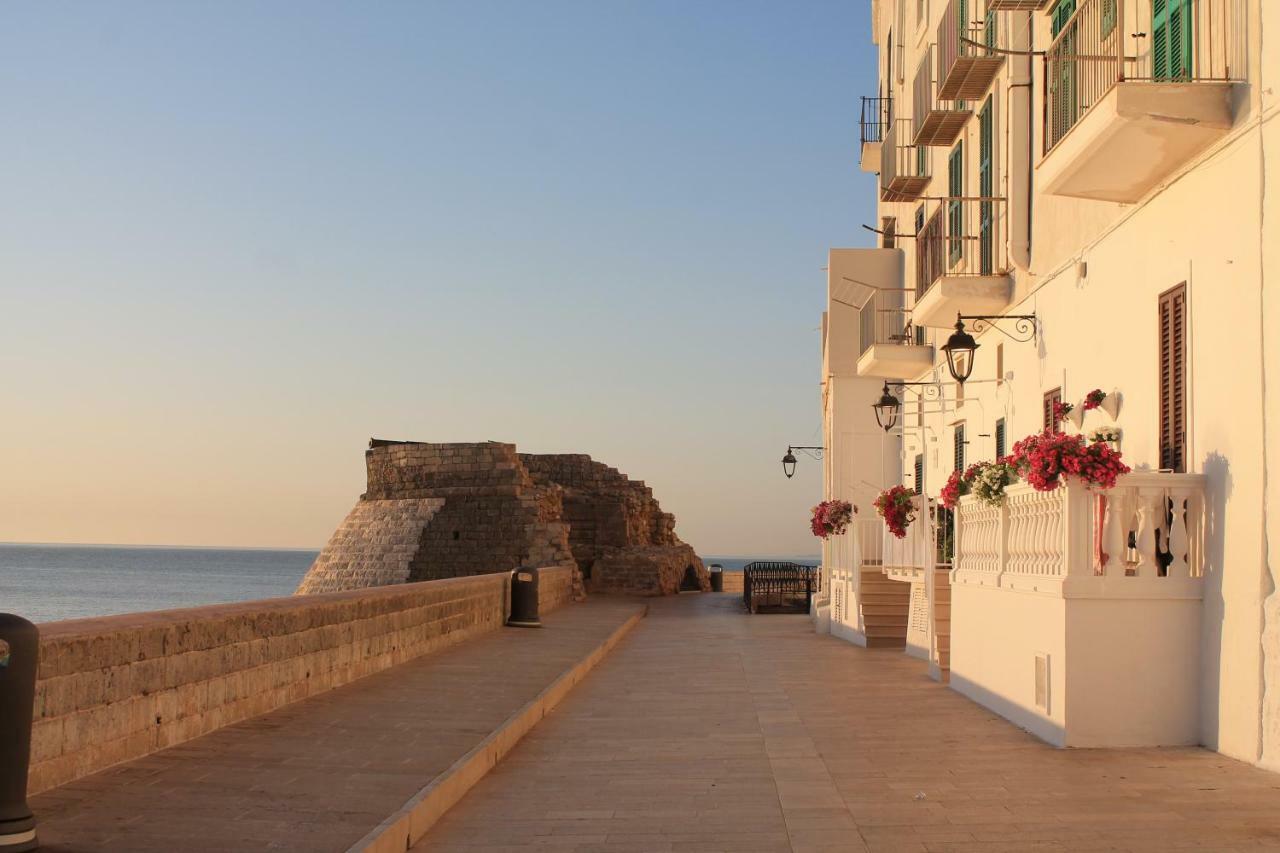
(1062, 13)
(955, 208)
(957, 438)
(918, 482)
(1173, 378)
(889, 235)
(1051, 399)
(1001, 450)
(986, 189)
(1171, 39)
(1108, 17)
(999, 363)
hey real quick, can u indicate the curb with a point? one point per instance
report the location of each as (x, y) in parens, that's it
(411, 823)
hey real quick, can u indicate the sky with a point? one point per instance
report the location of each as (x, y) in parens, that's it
(239, 239)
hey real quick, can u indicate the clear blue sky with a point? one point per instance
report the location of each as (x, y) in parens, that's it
(238, 239)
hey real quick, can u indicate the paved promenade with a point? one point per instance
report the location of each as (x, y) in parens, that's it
(708, 730)
(319, 774)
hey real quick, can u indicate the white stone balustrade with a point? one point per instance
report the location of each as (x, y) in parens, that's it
(1151, 538)
(917, 549)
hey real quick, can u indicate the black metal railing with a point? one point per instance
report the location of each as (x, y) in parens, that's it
(876, 115)
(779, 586)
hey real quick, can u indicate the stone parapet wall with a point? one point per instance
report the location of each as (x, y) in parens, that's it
(115, 688)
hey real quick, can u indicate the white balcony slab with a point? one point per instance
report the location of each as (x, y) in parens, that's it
(870, 159)
(1134, 137)
(895, 361)
(962, 294)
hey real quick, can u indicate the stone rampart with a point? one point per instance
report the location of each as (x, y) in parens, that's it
(115, 688)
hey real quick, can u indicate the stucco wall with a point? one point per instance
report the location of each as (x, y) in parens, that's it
(119, 687)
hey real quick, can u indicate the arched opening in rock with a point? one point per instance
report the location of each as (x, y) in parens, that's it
(690, 582)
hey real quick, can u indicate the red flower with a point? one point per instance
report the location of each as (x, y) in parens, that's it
(897, 507)
(1045, 458)
(1094, 399)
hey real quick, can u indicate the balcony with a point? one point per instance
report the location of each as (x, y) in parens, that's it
(1127, 102)
(872, 125)
(890, 346)
(961, 262)
(1017, 5)
(1076, 613)
(967, 62)
(904, 170)
(936, 121)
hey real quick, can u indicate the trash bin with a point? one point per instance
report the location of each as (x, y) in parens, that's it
(524, 598)
(717, 577)
(19, 651)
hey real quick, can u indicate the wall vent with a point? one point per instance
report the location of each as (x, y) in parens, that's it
(1042, 682)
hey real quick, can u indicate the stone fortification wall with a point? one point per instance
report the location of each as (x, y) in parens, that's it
(448, 510)
(618, 534)
(118, 687)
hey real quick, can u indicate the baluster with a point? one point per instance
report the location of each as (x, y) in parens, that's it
(1119, 521)
(1179, 541)
(1150, 509)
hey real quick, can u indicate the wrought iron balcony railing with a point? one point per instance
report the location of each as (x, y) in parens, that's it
(967, 59)
(963, 237)
(904, 168)
(1099, 46)
(935, 120)
(886, 319)
(877, 113)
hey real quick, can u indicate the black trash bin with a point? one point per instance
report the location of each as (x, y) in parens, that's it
(524, 598)
(19, 653)
(717, 577)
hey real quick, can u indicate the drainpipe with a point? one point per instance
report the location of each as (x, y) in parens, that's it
(1021, 141)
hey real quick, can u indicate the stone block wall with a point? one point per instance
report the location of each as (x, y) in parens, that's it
(374, 546)
(119, 687)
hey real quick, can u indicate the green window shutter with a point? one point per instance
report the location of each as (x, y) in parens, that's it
(1108, 17)
(1063, 12)
(1001, 440)
(986, 189)
(1171, 39)
(955, 207)
(958, 438)
(919, 474)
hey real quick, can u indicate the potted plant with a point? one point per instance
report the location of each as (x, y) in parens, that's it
(898, 509)
(831, 518)
(1044, 459)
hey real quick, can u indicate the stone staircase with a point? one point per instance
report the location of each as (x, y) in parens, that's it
(942, 623)
(885, 604)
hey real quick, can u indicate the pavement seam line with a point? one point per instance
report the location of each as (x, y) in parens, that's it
(411, 822)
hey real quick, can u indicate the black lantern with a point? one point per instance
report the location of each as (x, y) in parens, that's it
(886, 409)
(960, 348)
(789, 464)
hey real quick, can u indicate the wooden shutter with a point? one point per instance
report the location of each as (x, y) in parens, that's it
(986, 189)
(1051, 397)
(889, 225)
(1171, 47)
(919, 474)
(1173, 378)
(958, 446)
(1001, 450)
(955, 208)
(1063, 12)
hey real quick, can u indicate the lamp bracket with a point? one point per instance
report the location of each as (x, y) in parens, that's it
(811, 452)
(1024, 327)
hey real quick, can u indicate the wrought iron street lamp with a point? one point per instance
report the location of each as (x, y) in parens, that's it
(888, 407)
(789, 460)
(961, 346)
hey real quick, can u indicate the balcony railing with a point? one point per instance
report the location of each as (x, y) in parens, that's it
(886, 319)
(936, 120)
(1151, 525)
(904, 168)
(967, 60)
(876, 115)
(963, 237)
(1096, 48)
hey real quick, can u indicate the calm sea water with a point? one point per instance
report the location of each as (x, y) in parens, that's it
(735, 564)
(48, 582)
(45, 583)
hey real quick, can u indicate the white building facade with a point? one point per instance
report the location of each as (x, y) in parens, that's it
(1108, 168)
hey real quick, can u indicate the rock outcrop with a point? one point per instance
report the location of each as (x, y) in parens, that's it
(447, 510)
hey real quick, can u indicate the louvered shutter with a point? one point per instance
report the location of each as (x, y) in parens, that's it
(1064, 107)
(1050, 398)
(955, 210)
(1173, 378)
(1001, 451)
(1063, 12)
(958, 448)
(1171, 44)
(919, 474)
(986, 188)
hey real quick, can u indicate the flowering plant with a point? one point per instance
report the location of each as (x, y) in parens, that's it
(831, 518)
(1060, 411)
(897, 507)
(1106, 433)
(1045, 458)
(957, 486)
(1094, 399)
(991, 478)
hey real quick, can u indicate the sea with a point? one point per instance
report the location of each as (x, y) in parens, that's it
(46, 583)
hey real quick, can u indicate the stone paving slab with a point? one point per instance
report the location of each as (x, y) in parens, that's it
(710, 730)
(320, 774)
